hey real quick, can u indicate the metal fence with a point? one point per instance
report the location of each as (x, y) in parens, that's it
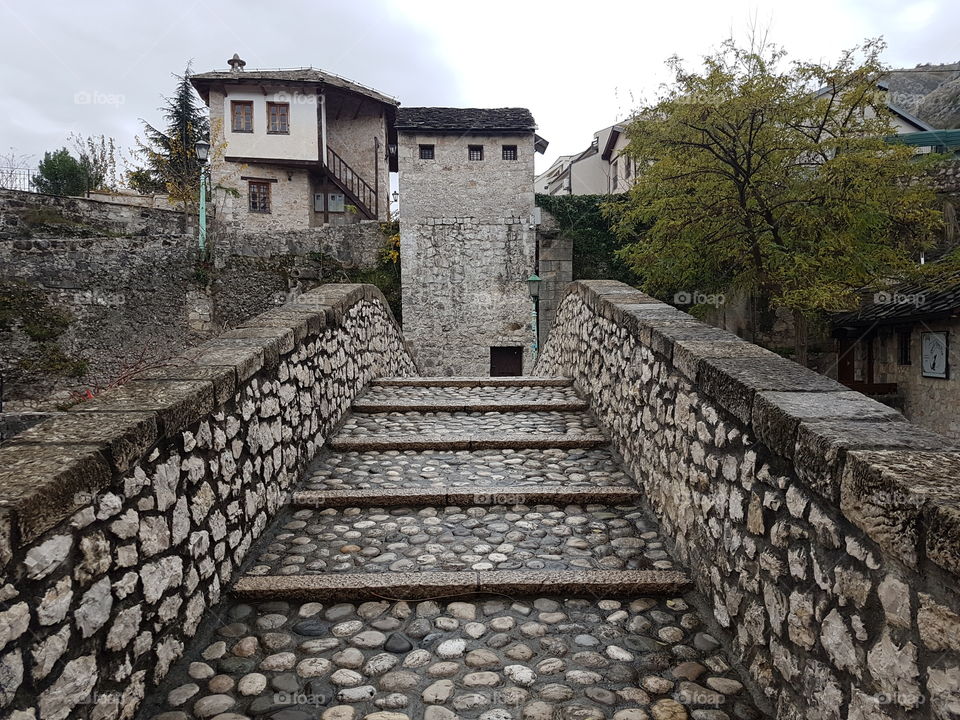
(17, 178)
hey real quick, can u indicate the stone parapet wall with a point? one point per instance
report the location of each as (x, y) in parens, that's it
(137, 300)
(823, 528)
(25, 213)
(123, 520)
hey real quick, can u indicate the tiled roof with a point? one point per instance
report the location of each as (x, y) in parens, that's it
(297, 75)
(465, 119)
(906, 303)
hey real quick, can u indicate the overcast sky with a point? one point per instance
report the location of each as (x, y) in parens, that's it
(99, 67)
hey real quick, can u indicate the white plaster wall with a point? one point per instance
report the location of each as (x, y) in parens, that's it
(301, 143)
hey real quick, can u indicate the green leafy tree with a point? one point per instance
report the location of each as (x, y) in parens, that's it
(60, 173)
(774, 179)
(169, 154)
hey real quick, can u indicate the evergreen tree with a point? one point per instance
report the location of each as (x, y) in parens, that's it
(171, 161)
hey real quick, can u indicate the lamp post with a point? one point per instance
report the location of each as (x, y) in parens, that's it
(533, 284)
(202, 149)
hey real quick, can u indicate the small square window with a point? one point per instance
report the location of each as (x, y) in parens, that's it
(475, 152)
(509, 152)
(241, 112)
(259, 196)
(426, 152)
(903, 343)
(278, 118)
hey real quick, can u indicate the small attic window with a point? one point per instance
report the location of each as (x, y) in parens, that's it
(475, 152)
(426, 152)
(509, 152)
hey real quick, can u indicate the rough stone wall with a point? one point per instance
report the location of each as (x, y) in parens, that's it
(467, 248)
(139, 300)
(24, 214)
(555, 268)
(123, 520)
(291, 197)
(822, 527)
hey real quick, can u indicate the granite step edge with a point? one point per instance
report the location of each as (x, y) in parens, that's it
(432, 585)
(490, 441)
(362, 405)
(501, 495)
(443, 381)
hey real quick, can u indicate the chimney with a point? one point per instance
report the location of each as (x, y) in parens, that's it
(236, 64)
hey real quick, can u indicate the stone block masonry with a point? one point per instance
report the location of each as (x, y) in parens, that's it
(122, 520)
(467, 246)
(821, 527)
(141, 298)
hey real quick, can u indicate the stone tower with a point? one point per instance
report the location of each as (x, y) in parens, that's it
(467, 237)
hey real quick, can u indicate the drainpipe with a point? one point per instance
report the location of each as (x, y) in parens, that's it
(323, 127)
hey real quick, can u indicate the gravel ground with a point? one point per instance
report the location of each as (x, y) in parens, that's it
(480, 468)
(464, 423)
(493, 659)
(399, 539)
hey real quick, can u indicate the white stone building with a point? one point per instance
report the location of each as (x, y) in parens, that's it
(297, 148)
(468, 238)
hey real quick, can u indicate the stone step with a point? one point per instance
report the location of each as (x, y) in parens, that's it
(474, 470)
(426, 496)
(470, 426)
(519, 381)
(435, 585)
(478, 441)
(448, 538)
(510, 398)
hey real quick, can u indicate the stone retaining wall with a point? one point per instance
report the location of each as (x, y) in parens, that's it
(124, 519)
(823, 527)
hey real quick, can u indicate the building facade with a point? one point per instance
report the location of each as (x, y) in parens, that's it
(903, 347)
(468, 237)
(299, 148)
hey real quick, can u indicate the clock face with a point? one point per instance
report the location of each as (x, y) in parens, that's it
(933, 347)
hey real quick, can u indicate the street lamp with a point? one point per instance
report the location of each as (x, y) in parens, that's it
(202, 148)
(533, 285)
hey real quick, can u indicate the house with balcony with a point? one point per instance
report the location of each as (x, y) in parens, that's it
(297, 148)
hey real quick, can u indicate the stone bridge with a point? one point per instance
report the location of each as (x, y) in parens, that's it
(664, 522)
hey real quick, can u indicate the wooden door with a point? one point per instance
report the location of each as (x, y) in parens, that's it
(506, 361)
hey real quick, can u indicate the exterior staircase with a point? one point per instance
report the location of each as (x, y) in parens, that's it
(357, 190)
(464, 549)
(520, 453)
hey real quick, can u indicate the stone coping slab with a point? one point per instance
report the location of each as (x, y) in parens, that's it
(516, 441)
(502, 495)
(423, 586)
(519, 381)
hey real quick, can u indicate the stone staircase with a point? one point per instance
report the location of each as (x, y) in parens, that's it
(463, 548)
(397, 509)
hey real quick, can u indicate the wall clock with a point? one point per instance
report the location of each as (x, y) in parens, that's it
(933, 347)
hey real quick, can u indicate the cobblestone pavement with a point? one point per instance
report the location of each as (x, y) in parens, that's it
(493, 659)
(543, 537)
(644, 655)
(467, 394)
(480, 468)
(463, 423)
